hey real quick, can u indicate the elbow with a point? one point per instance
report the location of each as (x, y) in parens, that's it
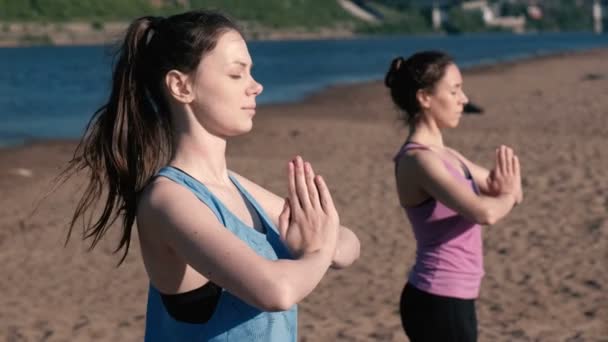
(356, 253)
(489, 221)
(279, 297)
(486, 217)
(343, 261)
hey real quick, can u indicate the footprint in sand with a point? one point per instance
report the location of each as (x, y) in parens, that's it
(23, 172)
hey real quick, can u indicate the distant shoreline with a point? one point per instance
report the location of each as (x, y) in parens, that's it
(25, 34)
(88, 33)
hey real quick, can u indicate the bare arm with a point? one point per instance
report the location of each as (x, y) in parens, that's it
(348, 246)
(348, 249)
(484, 177)
(223, 258)
(429, 172)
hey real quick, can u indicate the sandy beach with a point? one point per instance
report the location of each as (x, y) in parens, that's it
(546, 264)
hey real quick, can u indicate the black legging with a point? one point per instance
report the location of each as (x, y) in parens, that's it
(428, 318)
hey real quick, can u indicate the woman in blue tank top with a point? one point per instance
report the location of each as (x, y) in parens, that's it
(227, 259)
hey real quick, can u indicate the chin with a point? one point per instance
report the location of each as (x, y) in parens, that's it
(242, 129)
(455, 123)
(447, 125)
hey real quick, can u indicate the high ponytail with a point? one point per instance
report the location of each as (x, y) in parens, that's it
(130, 137)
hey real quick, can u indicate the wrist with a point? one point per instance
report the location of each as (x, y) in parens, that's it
(514, 199)
(319, 253)
(329, 253)
(511, 197)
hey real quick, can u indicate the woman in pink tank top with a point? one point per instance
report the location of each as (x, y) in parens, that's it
(446, 198)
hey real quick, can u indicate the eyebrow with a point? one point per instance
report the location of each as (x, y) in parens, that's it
(242, 63)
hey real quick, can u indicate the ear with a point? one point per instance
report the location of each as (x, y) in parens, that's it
(424, 99)
(179, 86)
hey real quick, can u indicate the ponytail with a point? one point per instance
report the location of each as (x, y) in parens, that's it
(125, 143)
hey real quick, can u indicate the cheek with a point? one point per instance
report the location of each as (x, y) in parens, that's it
(214, 98)
(443, 102)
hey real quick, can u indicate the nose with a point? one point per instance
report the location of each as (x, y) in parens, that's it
(465, 99)
(255, 88)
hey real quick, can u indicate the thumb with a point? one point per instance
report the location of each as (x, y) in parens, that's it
(284, 219)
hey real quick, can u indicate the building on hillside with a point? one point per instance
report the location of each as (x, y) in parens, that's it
(597, 17)
(491, 18)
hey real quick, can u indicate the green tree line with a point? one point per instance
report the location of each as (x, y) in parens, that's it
(270, 13)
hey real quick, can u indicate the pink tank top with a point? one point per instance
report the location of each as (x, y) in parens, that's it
(449, 252)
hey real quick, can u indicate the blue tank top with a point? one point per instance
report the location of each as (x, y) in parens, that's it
(233, 319)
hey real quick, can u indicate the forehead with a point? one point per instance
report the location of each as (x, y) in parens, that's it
(230, 48)
(452, 74)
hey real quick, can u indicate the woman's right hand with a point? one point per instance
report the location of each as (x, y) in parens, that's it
(505, 178)
(309, 221)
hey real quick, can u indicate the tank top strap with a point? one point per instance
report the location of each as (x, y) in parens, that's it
(197, 188)
(407, 146)
(272, 233)
(258, 208)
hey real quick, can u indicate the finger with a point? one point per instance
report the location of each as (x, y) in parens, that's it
(327, 203)
(498, 161)
(490, 181)
(301, 188)
(509, 160)
(284, 219)
(293, 196)
(312, 187)
(516, 166)
(503, 159)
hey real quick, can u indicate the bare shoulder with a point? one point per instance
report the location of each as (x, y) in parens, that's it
(160, 193)
(418, 161)
(165, 206)
(415, 170)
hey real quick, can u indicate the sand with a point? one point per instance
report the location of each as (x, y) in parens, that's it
(546, 264)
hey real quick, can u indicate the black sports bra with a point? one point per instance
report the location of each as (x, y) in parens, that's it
(195, 306)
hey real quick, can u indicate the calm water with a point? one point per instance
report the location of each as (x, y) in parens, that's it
(51, 92)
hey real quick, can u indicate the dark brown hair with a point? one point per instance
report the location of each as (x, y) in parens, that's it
(130, 137)
(422, 70)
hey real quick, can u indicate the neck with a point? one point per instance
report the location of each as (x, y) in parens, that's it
(426, 132)
(200, 154)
